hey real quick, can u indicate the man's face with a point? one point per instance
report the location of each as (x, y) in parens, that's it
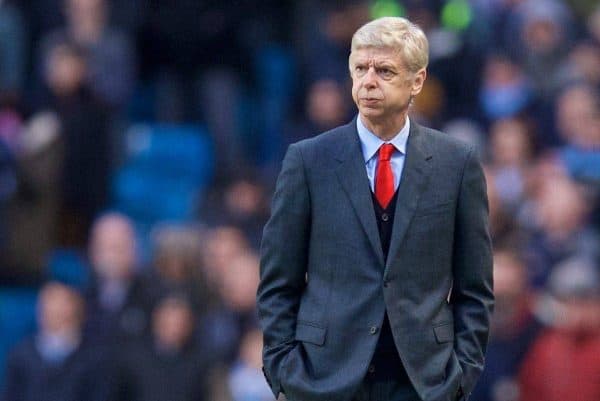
(382, 87)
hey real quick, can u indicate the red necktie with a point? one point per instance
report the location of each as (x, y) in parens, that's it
(384, 176)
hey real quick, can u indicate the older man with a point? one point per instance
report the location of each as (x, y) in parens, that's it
(376, 271)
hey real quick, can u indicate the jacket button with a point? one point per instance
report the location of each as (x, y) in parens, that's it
(386, 283)
(385, 217)
(371, 368)
(373, 329)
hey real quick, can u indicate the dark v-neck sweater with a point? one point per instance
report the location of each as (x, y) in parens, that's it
(386, 363)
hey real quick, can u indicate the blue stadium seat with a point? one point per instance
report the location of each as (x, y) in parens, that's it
(68, 266)
(177, 150)
(17, 320)
(166, 171)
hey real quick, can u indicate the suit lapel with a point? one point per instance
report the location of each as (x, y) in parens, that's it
(414, 180)
(352, 174)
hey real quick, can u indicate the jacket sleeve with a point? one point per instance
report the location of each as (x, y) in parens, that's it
(284, 252)
(472, 295)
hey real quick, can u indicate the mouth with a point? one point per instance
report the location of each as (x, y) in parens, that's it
(370, 100)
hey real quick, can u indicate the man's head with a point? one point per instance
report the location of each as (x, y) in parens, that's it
(511, 290)
(388, 62)
(578, 115)
(65, 69)
(240, 280)
(60, 309)
(173, 322)
(177, 252)
(113, 247)
(575, 287)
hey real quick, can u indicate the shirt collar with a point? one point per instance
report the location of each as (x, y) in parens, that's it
(370, 143)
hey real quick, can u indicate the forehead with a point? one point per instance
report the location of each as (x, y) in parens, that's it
(376, 55)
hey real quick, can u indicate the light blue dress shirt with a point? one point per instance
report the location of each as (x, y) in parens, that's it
(370, 144)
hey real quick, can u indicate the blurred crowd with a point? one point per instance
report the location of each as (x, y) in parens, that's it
(164, 309)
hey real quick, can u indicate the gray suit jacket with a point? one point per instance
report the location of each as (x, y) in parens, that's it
(324, 285)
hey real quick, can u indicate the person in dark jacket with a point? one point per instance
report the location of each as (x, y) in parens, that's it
(168, 367)
(56, 364)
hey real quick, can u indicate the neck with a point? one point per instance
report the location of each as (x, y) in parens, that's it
(385, 129)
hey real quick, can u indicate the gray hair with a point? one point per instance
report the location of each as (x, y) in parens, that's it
(397, 33)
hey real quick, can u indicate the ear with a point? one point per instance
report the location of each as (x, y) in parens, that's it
(418, 81)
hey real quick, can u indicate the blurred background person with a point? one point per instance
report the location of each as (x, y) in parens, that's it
(83, 125)
(56, 364)
(513, 330)
(106, 51)
(177, 266)
(561, 226)
(564, 362)
(245, 379)
(242, 203)
(511, 152)
(169, 365)
(223, 244)
(117, 300)
(224, 327)
(578, 122)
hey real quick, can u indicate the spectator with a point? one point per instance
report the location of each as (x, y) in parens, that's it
(561, 215)
(246, 380)
(324, 33)
(545, 29)
(511, 153)
(564, 363)
(578, 121)
(118, 305)
(504, 228)
(582, 65)
(225, 326)
(506, 90)
(107, 52)
(84, 133)
(326, 107)
(513, 330)
(593, 24)
(243, 204)
(223, 244)
(56, 364)
(32, 214)
(169, 366)
(177, 266)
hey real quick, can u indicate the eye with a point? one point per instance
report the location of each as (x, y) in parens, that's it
(360, 69)
(385, 73)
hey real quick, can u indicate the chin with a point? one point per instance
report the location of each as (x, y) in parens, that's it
(371, 112)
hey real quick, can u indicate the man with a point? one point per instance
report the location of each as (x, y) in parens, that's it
(56, 364)
(169, 365)
(376, 270)
(118, 304)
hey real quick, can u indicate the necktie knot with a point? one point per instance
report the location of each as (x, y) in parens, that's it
(385, 151)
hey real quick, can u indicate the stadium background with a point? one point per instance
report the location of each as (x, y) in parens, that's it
(139, 145)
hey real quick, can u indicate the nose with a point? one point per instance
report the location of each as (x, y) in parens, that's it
(370, 78)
